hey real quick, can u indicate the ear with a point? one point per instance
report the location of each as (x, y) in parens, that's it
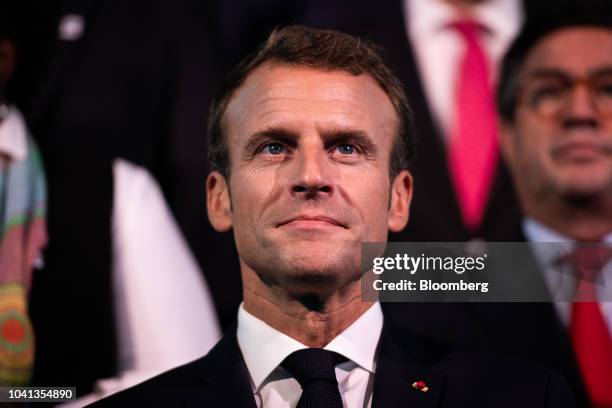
(401, 196)
(507, 142)
(218, 202)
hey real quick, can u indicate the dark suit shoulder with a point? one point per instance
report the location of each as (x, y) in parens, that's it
(461, 377)
(482, 378)
(458, 361)
(218, 379)
(163, 390)
(469, 379)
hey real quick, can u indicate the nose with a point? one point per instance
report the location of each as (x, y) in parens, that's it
(311, 173)
(581, 110)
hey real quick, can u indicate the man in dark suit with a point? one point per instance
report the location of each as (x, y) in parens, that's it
(308, 143)
(555, 102)
(547, 179)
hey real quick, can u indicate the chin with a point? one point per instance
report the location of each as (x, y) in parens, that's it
(315, 284)
(318, 271)
(586, 184)
(323, 268)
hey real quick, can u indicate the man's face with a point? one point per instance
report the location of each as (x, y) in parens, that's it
(567, 153)
(309, 153)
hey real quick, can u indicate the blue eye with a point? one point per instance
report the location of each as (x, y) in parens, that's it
(274, 148)
(346, 149)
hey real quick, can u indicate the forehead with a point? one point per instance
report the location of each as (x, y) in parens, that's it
(302, 97)
(575, 50)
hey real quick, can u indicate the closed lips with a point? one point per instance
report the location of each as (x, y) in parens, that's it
(319, 218)
(595, 147)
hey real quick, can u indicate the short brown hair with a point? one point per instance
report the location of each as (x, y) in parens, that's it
(326, 50)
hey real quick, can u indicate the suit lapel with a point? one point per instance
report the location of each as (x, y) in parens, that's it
(398, 368)
(224, 379)
(393, 386)
(531, 331)
(430, 164)
(502, 215)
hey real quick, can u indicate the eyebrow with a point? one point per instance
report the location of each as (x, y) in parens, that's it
(281, 134)
(555, 72)
(602, 71)
(331, 137)
(547, 72)
(360, 137)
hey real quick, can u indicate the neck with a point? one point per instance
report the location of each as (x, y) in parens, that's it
(296, 317)
(580, 218)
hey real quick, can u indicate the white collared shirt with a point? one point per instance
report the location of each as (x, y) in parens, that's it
(547, 257)
(438, 48)
(264, 348)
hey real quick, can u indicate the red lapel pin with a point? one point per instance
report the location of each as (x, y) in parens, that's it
(420, 385)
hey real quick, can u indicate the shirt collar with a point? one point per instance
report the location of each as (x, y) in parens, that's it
(537, 232)
(264, 347)
(13, 136)
(555, 242)
(358, 342)
(546, 244)
(428, 17)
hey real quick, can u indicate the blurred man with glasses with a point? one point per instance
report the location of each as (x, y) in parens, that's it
(555, 103)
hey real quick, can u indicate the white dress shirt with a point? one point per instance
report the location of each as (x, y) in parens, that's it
(547, 257)
(438, 48)
(264, 348)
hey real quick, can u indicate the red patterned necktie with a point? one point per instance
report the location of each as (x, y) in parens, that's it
(473, 150)
(588, 330)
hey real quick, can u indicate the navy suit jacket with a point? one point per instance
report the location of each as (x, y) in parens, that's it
(529, 331)
(455, 379)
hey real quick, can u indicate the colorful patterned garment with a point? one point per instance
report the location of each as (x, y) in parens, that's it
(22, 236)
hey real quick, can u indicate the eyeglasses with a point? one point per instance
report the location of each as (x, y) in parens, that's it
(549, 94)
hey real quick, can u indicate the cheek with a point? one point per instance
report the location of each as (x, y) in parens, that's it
(248, 194)
(535, 168)
(534, 146)
(373, 203)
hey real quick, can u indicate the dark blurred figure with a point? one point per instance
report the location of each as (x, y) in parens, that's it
(555, 102)
(102, 80)
(22, 221)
